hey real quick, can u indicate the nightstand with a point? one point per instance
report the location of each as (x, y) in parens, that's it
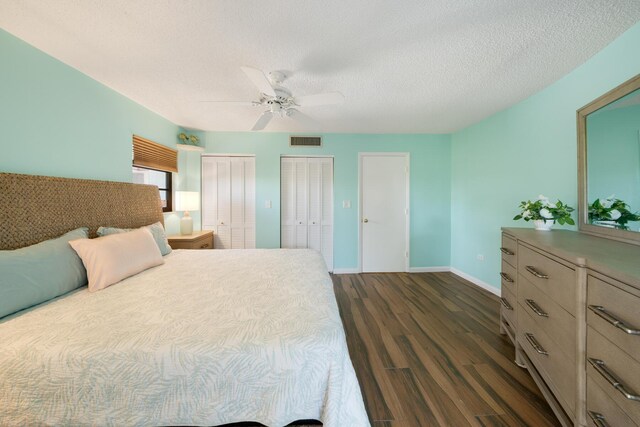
(198, 240)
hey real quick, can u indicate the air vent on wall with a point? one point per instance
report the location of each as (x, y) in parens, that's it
(305, 141)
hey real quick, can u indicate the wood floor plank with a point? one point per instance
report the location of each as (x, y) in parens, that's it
(509, 394)
(436, 385)
(415, 408)
(427, 351)
(503, 420)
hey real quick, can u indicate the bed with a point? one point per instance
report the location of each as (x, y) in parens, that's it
(207, 338)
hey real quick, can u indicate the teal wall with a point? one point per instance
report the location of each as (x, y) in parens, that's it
(524, 151)
(56, 121)
(430, 186)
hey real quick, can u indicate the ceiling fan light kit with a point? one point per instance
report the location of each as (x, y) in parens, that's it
(279, 101)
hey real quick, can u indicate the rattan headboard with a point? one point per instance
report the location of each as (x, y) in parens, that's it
(36, 208)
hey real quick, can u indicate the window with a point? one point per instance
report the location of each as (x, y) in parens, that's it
(161, 179)
(153, 164)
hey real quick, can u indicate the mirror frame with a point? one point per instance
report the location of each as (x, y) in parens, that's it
(583, 209)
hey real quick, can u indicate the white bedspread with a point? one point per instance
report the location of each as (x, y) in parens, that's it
(211, 337)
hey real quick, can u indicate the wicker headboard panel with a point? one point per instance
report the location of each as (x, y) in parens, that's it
(36, 208)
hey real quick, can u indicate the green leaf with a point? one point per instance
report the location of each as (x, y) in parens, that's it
(517, 217)
(570, 221)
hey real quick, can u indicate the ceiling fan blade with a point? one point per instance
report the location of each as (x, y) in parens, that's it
(304, 120)
(238, 103)
(329, 98)
(263, 121)
(258, 78)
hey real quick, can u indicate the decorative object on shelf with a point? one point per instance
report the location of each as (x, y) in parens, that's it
(187, 201)
(189, 142)
(544, 214)
(612, 213)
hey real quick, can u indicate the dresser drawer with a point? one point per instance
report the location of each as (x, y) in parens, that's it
(599, 404)
(556, 367)
(509, 250)
(508, 277)
(508, 308)
(614, 313)
(553, 278)
(554, 320)
(616, 367)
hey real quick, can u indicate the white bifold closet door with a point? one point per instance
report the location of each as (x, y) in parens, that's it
(228, 201)
(306, 195)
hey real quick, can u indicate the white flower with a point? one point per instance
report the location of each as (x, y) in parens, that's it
(526, 214)
(606, 203)
(615, 214)
(543, 198)
(545, 213)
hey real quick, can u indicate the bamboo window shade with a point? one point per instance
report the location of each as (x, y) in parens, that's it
(149, 154)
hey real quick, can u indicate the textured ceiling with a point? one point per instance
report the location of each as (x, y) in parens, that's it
(410, 66)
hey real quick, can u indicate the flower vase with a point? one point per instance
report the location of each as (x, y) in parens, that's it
(542, 225)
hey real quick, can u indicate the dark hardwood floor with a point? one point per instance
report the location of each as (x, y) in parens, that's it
(427, 351)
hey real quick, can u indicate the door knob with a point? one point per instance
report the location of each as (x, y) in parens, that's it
(365, 220)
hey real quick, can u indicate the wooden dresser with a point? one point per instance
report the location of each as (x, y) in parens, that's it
(571, 306)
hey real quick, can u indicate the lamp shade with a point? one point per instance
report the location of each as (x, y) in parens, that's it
(187, 201)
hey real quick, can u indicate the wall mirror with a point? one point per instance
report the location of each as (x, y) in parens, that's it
(609, 164)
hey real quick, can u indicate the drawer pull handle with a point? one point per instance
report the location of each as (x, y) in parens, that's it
(536, 308)
(598, 419)
(602, 369)
(506, 251)
(536, 273)
(536, 346)
(506, 277)
(610, 318)
(505, 304)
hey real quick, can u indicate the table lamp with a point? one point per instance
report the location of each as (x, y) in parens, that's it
(187, 201)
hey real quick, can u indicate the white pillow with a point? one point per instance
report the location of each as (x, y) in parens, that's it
(112, 258)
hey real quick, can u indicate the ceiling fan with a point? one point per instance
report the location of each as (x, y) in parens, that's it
(278, 100)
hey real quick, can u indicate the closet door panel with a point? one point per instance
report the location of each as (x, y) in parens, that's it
(222, 237)
(287, 203)
(223, 178)
(249, 203)
(301, 202)
(326, 219)
(237, 193)
(315, 204)
(237, 203)
(209, 194)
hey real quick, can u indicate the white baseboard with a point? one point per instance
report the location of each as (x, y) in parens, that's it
(346, 271)
(429, 269)
(476, 281)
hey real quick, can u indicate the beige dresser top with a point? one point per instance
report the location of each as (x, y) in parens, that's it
(618, 260)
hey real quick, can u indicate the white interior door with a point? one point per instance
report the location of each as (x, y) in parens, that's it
(306, 206)
(228, 201)
(384, 209)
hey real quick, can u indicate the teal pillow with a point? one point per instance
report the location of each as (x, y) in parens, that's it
(38, 273)
(157, 231)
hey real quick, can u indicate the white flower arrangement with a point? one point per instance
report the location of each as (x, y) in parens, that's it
(543, 209)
